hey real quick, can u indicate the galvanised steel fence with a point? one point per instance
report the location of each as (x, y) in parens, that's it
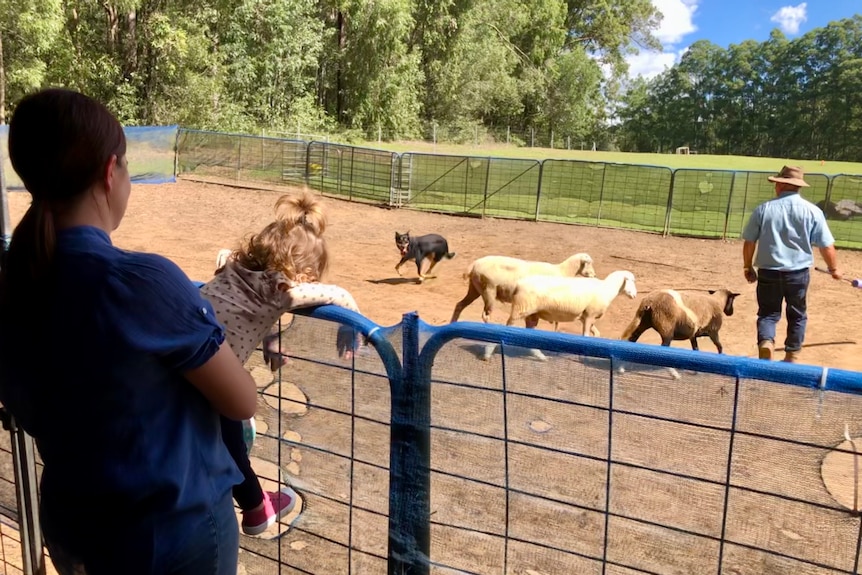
(684, 202)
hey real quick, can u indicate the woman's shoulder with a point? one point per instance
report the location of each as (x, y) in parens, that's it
(144, 271)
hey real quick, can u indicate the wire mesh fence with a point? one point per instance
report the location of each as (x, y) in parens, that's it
(686, 202)
(418, 456)
(598, 462)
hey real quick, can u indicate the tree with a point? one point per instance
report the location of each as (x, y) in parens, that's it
(28, 30)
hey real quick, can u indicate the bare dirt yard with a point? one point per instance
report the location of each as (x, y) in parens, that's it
(189, 222)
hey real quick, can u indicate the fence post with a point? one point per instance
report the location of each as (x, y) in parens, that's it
(487, 176)
(539, 188)
(176, 155)
(5, 221)
(466, 179)
(350, 177)
(669, 204)
(395, 177)
(24, 468)
(828, 198)
(308, 162)
(727, 211)
(410, 462)
(601, 192)
(744, 200)
(340, 166)
(239, 158)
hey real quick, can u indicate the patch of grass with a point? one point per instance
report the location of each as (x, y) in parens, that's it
(673, 161)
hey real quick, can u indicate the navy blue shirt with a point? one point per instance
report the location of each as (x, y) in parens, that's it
(125, 438)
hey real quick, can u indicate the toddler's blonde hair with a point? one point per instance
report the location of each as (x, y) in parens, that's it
(292, 244)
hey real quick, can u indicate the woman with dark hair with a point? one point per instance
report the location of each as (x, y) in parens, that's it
(125, 405)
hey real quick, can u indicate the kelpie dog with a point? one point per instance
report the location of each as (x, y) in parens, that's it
(432, 246)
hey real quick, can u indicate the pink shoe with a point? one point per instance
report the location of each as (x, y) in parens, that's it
(275, 506)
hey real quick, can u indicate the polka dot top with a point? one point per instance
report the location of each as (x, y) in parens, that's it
(249, 303)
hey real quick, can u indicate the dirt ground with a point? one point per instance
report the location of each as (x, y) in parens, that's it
(189, 222)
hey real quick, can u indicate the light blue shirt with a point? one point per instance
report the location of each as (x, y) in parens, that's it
(786, 229)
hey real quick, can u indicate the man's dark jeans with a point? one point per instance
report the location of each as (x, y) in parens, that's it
(773, 288)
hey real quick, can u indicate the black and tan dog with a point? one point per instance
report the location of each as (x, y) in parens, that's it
(433, 247)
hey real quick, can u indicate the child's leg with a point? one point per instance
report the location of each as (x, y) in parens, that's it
(259, 509)
(248, 494)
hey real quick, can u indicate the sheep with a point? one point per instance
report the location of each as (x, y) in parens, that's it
(558, 299)
(677, 316)
(494, 278)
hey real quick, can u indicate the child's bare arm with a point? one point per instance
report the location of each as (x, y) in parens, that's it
(314, 294)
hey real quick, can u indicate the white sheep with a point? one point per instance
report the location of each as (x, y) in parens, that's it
(495, 277)
(678, 316)
(562, 299)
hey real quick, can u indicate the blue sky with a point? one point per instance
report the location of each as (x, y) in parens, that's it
(726, 22)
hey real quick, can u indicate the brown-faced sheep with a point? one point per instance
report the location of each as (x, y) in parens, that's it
(495, 277)
(678, 316)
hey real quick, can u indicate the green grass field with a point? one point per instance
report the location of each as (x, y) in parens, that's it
(673, 161)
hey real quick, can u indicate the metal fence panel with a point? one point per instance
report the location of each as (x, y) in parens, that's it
(844, 210)
(700, 201)
(510, 188)
(602, 460)
(634, 197)
(360, 174)
(442, 183)
(324, 428)
(607, 457)
(571, 191)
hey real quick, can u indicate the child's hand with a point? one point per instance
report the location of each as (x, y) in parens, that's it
(271, 354)
(347, 340)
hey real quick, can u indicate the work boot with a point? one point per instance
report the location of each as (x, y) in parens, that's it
(765, 349)
(791, 356)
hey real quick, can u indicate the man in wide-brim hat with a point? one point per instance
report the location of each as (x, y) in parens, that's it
(790, 175)
(783, 232)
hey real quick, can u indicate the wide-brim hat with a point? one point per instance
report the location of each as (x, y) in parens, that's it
(790, 175)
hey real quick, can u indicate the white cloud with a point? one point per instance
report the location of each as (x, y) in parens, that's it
(676, 24)
(789, 18)
(649, 64)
